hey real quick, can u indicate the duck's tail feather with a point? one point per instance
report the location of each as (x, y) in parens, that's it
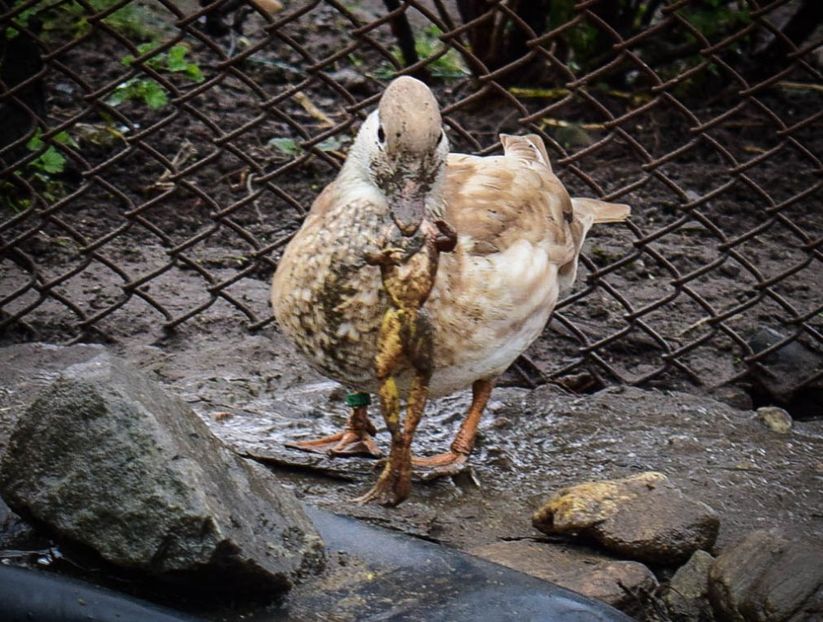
(529, 147)
(588, 212)
(596, 211)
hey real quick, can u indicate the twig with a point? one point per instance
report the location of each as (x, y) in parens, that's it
(315, 112)
(255, 202)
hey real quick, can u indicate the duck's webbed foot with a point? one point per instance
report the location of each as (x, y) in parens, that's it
(355, 440)
(456, 459)
(441, 465)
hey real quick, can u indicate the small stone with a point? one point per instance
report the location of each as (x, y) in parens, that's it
(734, 396)
(644, 517)
(730, 269)
(349, 78)
(588, 573)
(775, 418)
(687, 594)
(777, 377)
(767, 577)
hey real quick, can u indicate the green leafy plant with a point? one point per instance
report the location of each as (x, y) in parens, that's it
(71, 19)
(40, 173)
(51, 161)
(289, 146)
(427, 44)
(173, 61)
(126, 20)
(20, 21)
(148, 90)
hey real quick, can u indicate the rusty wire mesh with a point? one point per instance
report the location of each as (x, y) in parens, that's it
(154, 148)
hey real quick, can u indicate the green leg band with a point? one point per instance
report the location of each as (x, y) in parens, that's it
(358, 399)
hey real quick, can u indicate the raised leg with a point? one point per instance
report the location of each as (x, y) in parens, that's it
(354, 440)
(455, 460)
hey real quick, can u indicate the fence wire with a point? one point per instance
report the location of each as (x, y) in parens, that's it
(156, 157)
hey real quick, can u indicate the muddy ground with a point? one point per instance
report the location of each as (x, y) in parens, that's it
(531, 443)
(204, 246)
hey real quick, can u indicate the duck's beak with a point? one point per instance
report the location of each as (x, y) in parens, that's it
(408, 207)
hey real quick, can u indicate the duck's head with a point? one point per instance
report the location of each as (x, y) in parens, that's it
(404, 149)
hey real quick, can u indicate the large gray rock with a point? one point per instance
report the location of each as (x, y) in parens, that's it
(687, 594)
(106, 458)
(778, 375)
(612, 581)
(28, 368)
(644, 517)
(767, 577)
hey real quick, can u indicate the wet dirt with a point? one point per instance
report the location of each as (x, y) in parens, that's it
(218, 203)
(258, 394)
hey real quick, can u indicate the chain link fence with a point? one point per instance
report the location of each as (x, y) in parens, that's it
(156, 157)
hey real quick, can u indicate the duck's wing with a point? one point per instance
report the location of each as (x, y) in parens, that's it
(314, 220)
(497, 201)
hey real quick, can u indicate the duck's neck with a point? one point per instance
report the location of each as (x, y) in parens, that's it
(356, 181)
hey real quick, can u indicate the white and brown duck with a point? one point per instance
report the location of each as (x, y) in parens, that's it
(519, 236)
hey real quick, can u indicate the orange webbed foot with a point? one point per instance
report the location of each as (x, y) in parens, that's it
(393, 486)
(355, 440)
(345, 443)
(441, 465)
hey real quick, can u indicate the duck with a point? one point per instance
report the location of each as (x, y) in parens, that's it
(515, 240)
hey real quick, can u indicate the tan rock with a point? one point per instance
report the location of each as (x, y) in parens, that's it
(269, 6)
(583, 571)
(776, 419)
(687, 594)
(590, 503)
(644, 517)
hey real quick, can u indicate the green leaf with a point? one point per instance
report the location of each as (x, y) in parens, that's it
(153, 94)
(52, 161)
(285, 145)
(64, 139)
(35, 142)
(194, 72)
(176, 60)
(333, 143)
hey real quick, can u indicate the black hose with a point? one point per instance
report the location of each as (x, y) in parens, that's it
(31, 595)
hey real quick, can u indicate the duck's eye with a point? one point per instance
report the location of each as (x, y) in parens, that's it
(381, 135)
